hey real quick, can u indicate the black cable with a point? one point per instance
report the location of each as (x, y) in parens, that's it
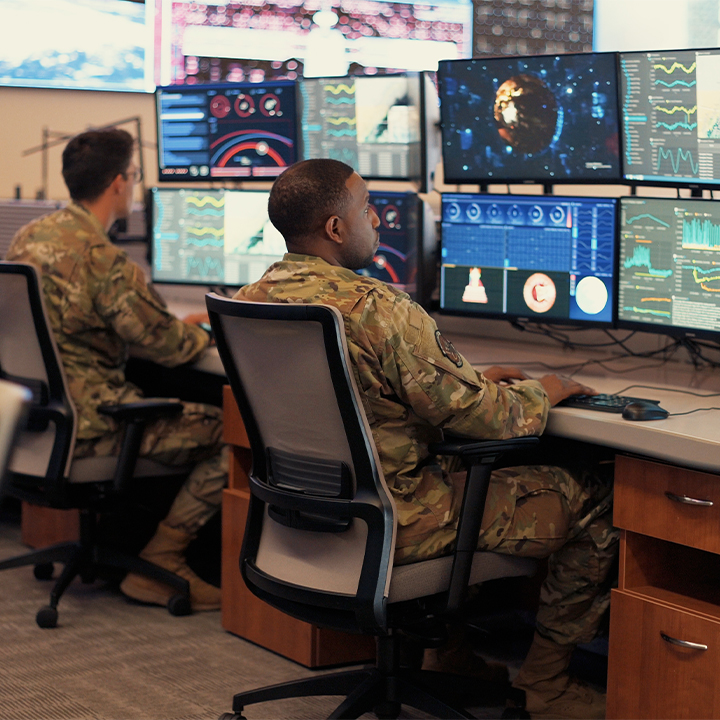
(667, 389)
(690, 412)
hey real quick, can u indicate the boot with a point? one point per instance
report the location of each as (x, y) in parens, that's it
(166, 549)
(549, 690)
(457, 657)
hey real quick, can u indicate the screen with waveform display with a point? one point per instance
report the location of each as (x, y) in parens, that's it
(670, 117)
(211, 237)
(242, 131)
(669, 276)
(539, 119)
(543, 258)
(371, 123)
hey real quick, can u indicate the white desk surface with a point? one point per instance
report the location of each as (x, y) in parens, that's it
(687, 440)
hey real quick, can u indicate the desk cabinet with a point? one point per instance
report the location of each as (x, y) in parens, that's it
(664, 657)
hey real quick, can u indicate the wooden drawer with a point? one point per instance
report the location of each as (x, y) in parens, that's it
(649, 677)
(643, 502)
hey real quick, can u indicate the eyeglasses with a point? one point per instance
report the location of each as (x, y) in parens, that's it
(137, 175)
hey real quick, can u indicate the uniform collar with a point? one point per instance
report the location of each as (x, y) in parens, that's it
(84, 214)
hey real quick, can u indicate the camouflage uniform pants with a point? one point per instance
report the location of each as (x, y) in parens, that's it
(191, 438)
(564, 515)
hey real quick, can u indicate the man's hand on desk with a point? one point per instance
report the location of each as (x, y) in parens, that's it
(559, 387)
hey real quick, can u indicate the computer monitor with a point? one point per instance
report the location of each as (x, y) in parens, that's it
(671, 117)
(407, 256)
(259, 40)
(211, 237)
(243, 131)
(669, 266)
(544, 119)
(541, 258)
(374, 124)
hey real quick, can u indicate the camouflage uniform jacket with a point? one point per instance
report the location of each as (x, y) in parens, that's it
(99, 305)
(413, 384)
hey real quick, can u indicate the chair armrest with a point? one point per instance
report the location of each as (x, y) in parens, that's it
(141, 411)
(473, 451)
(135, 416)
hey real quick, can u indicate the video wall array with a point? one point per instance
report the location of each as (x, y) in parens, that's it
(638, 117)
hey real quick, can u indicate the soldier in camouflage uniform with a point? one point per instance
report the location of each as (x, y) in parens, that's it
(413, 384)
(100, 306)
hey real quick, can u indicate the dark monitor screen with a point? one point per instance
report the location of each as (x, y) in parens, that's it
(217, 132)
(671, 117)
(669, 277)
(211, 237)
(544, 258)
(549, 118)
(371, 123)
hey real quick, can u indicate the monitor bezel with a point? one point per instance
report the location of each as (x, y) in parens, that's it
(519, 318)
(692, 184)
(220, 86)
(673, 331)
(151, 215)
(547, 181)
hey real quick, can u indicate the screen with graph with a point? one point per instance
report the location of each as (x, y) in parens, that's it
(371, 123)
(397, 259)
(544, 258)
(671, 117)
(211, 237)
(243, 131)
(551, 118)
(669, 278)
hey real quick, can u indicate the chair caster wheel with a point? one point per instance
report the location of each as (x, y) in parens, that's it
(47, 617)
(43, 571)
(232, 716)
(179, 605)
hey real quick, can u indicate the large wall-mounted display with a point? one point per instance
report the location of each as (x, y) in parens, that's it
(547, 119)
(77, 44)
(251, 40)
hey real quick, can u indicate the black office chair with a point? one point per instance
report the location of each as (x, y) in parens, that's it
(320, 535)
(42, 470)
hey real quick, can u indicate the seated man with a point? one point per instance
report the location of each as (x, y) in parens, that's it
(100, 306)
(414, 383)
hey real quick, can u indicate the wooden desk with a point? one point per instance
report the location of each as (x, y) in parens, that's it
(246, 615)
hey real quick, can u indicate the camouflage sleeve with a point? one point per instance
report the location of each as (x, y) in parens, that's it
(440, 385)
(139, 315)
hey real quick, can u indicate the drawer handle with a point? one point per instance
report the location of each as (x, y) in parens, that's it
(687, 500)
(683, 643)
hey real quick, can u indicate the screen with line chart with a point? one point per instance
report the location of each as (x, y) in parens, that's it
(211, 237)
(243, 131)
(370, 123)
(669, 277)
(547, 118)
(544, 258)
(670, 117)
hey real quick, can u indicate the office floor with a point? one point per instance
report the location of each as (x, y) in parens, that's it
(110, 659)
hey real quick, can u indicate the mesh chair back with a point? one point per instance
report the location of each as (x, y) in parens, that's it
(29, 356)
(290, 373)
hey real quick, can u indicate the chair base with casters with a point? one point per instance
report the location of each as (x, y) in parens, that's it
(85, 559)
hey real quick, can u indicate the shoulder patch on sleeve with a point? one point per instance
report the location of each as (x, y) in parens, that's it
(448, 349)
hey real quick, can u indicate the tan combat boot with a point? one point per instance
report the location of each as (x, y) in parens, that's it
(549, 690)
(457, 657)
(167, 550)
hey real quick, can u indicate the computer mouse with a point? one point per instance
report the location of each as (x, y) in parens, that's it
(644, 410)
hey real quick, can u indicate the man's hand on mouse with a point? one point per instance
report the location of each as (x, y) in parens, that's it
(559, 387)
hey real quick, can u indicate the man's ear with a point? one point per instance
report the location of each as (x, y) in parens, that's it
(117, 185)
(332, 229)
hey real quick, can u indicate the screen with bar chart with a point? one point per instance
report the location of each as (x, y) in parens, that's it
(669, 277)
(211, 237)
(542, 258)
(242, 131)
(670, 117)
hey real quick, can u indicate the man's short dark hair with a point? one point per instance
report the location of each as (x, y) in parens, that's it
(306, 195)
(93, 159)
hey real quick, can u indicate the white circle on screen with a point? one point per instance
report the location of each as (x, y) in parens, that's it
(591, 295)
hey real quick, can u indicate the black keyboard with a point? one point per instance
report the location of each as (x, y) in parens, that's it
(602, 402)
